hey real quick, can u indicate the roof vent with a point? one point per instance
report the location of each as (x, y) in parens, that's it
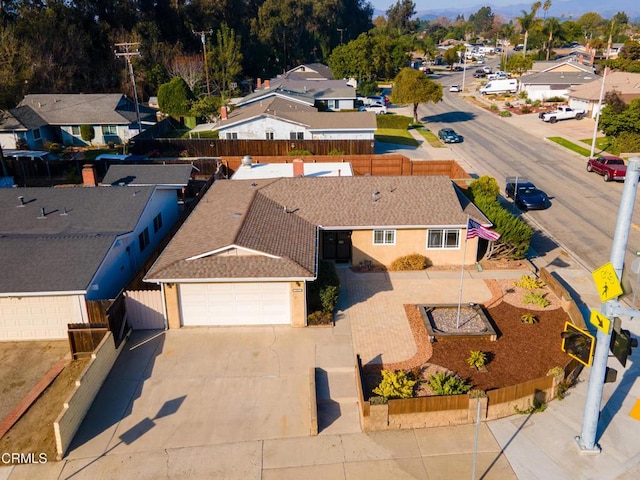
(374, 194)
(42, 214)
(246, 161)
(65, 212)
(21, 198)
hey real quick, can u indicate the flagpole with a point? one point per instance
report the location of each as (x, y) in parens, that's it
(464, 255)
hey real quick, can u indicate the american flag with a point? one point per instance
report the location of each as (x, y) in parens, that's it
(474, 229)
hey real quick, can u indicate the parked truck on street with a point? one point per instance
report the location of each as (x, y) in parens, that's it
(611, 168)
(563, 112)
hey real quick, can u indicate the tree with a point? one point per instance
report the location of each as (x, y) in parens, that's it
(482, 20)
(175, 97)
(590, 23)
(225, 59)
(399, 16)
(207, 107)
(546, 6)
(452, 55)
(518, 64)
(412, 86)
(627, 121)
(553, 29)
(527, 21)
(189, 67)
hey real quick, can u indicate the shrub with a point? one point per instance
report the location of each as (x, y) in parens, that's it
(329, 298)
(493, 108)
(415, 261)
(527, 101)
(87, 133)
(505, 113)
(555, 100)
(447, 384)
(319, 318)
(507, 104)
(477, 359)
(485, 186)
(536, 103)
(477, 394)
(526, 110)
(536, 299)
(529, 282)
(336, 152)
(529, 318)
(327, 276)
(299, 153)
(537, 407)
(395, 385)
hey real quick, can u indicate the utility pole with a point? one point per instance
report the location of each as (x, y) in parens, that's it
(203, 39)
(128, 50)
(341, 30)
(611, 308)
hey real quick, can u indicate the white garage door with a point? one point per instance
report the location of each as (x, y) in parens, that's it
(37, 318)
(235, 304)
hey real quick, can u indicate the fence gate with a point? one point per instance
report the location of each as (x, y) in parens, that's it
(144, 309)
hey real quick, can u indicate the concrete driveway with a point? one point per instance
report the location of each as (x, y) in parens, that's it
(209, 386)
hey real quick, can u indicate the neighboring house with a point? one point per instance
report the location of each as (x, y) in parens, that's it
(571, 64)
(11, 130)
(61, 247)
(164, 177)
(587, 96)
(544, 85)
(245, 254)
(278, 119)
(297, 168)
(57, 118)
(311, 71)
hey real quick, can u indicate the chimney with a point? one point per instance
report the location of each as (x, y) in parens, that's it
(267, 84)
(298, 167)
(223, 112)
(89, 175)
(259, 84)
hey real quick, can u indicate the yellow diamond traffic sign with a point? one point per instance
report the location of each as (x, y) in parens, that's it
(607, 282)
(600, 321)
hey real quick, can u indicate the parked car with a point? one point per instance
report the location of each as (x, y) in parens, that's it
(480, 73)
(486, 69)
(381, 99)
(377, 108)
(449, 135)
(611, 168)
(455, 88)
(526, 195)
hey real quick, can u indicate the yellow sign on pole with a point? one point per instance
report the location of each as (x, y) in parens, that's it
(607, 282)
(600, 321)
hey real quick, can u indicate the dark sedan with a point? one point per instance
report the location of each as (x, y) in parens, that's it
(528, 196)
(448, 135)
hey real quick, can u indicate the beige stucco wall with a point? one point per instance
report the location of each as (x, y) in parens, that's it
(407, 242)
(298, 304)
(172, 305)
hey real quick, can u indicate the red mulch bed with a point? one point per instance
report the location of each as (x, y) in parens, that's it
(522, 351)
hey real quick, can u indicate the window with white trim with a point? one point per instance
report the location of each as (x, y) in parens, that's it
(109, 130)
(384, 237)
(296, 135)
(269, 135)
(231, 136)
(75, 130)
(443, 238)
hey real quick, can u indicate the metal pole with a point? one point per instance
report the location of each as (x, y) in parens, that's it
(475, 442)
(464, 68)
(595, 128)
(587, 439)
(464, 255)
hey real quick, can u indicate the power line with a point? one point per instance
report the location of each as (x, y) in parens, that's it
(128, 50)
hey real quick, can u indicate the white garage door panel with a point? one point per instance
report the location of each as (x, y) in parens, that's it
(235, 304)
(37, 318)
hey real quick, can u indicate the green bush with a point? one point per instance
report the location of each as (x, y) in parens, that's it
(477, 359)
(399, 122)
(327, 277)
(526, 110)
(395, 385)
(484, 186)
(493, 107)
(627, 142)
(299, 153)
(446, 384)
(529, 282)
(505, 113)
(536, 103)
(336, 152)
(87, 133)
(329, 298)
(529, 318)
(536, 299)
(555, 100)
(415, 261)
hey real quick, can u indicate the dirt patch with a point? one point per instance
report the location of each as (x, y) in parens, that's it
(22, 365)
(34, 431)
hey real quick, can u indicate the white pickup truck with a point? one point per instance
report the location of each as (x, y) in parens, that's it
(563, 112)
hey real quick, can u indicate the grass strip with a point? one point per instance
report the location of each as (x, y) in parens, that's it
(394, 135)
(430, 137)
(570, 145)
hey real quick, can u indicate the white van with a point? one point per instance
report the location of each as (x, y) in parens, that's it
(509, 85)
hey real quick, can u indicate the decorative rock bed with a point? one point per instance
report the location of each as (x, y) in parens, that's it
(443, 322)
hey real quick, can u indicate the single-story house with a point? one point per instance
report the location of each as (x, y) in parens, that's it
(277, 119)
(246, 253)
(544, 85)
(58, 118)
(587, 96)
(11, 130)
(310, 71)
(174, 177)
(572, 63)
(62, 247)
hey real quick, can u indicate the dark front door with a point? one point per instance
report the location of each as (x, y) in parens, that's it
(336, 245)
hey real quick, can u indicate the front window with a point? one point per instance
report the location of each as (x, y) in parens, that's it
(269, 135)
(443, 238)
(75, 130)
(296, 136)
(143, 239)
(232, 136)
(109, 130)
(384, 237)
(157, 223)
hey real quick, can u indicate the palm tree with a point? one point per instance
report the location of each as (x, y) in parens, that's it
(546, 7)
(553, 28)
(527, 21)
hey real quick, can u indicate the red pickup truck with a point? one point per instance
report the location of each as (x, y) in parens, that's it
(611, 168)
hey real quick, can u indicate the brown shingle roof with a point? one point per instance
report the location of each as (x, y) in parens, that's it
(279, 218)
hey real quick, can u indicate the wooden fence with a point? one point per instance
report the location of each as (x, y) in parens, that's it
(206, 147)
(521, 390)
(112, 313)
(84, 338)
(428, 404)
